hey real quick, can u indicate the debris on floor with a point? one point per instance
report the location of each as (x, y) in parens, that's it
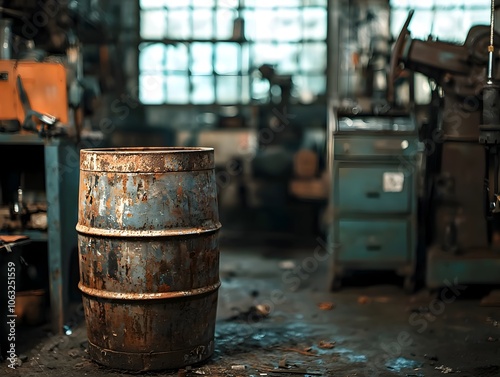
(254, 313)
(364, 300)
(306, 351)
(326, 305)
(446, 370)
(238, 367)
(326, 345)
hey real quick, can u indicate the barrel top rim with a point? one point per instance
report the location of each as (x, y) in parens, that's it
(148, 150)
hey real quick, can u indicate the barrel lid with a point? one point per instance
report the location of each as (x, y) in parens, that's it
(147, 159)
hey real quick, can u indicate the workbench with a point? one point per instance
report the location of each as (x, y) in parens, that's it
(61, 172)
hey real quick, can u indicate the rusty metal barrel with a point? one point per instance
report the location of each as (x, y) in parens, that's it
(148, 227)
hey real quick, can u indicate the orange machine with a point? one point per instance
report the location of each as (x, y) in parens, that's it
(33, 93)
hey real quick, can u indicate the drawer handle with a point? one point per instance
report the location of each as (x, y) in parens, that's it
(390, 146)
(373, 247)
(373, 195)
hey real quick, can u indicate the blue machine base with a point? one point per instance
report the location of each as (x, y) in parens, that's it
(471, 267)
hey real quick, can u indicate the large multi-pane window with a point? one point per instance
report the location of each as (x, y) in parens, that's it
(209, 51)
(447, 20)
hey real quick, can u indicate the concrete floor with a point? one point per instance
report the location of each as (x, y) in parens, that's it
(369, 328)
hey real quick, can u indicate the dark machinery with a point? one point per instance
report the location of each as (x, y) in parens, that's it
(461, 203)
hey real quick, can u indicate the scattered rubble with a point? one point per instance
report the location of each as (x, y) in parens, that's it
(364, 300)
(326, 345)
(326, 305)
(446, 370)
(253, 314)
(238, 367)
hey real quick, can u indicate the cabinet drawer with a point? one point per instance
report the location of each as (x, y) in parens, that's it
(366, 146)
(373, 189)
(373, 240)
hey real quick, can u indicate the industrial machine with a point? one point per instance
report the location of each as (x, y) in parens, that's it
(461, 133)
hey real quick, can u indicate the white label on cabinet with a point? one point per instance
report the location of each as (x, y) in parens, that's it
(393, 182)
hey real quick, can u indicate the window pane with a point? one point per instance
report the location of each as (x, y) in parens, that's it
(477, 17)
(203, 3)
(264, 53)
(202, 24)
(314, 23)
(177, 57)
(260, 89)
(321, 3)
(283, 56)
(174, 3)
(203, 89)
(398, 18)
(482, 3)
(225, 21)
(227, 3)
(228, 90)
(152, 57)
(178, 25)
(267, 24)
(289, 58)
(413, 3)
(313, 57)
(308, 87)
(449, 26)
(421, 23)
(287, 23)
(259, 25)
(159, 4)
(201, 55)
(151, 88)
(245, 58)
(227, 56)
(272, 3)
(153, 24)
(249, 28)
(177, 89)
(245, 89)
(148, 4)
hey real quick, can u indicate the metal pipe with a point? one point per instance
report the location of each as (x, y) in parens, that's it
(491, 47)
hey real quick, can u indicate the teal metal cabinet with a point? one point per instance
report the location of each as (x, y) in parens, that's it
(375, 173)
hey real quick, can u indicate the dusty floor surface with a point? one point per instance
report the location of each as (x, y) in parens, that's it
(373, 329)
